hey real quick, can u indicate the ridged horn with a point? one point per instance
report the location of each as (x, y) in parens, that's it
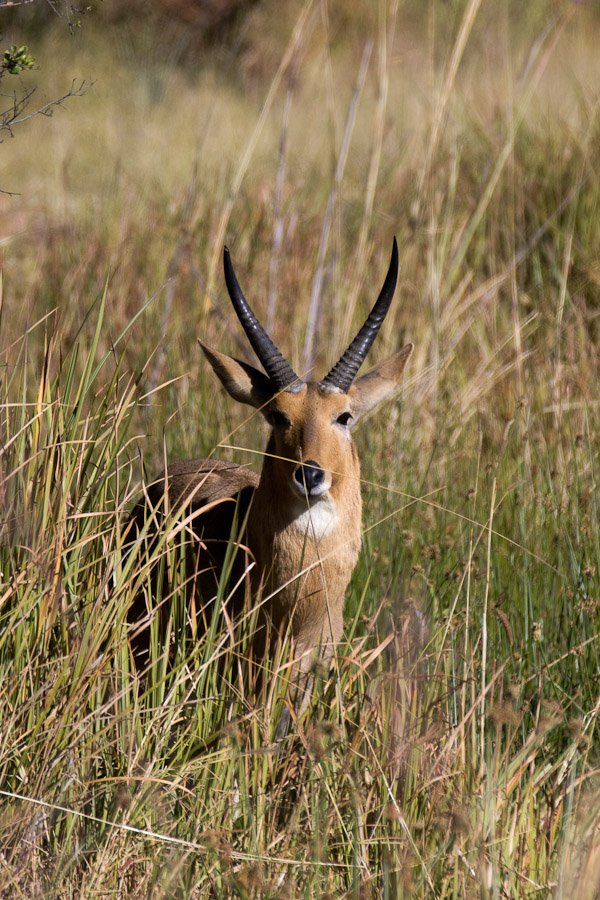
(344, 372)
(274, 363)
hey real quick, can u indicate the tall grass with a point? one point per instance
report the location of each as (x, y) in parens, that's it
(453, 749)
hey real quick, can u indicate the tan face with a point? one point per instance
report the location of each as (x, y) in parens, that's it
(311, 441)
(310, 454)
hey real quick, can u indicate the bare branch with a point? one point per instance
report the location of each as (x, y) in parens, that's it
(13, 114)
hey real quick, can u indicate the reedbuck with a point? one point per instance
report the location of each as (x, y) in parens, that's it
(300, 522)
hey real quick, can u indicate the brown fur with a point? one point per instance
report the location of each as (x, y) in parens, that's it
(314, 567)
(304, 548)
(210, 495)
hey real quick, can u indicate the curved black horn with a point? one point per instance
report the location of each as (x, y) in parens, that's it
(343, 373)
(274, 363)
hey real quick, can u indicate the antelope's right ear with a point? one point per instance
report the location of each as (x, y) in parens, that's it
(241, 381)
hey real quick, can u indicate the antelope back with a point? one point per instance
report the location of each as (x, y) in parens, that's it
(206, 501)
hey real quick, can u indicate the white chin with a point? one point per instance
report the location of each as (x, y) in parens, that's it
(317, 519)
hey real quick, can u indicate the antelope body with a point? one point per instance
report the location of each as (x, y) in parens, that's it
(303, 515)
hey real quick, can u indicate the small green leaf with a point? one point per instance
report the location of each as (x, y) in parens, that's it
(16, 59)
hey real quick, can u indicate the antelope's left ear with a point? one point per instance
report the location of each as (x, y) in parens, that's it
(379, 383)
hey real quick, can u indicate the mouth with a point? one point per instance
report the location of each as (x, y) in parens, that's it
(311, 493)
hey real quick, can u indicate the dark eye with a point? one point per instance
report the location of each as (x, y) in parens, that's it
(277, 419)
(344, 419)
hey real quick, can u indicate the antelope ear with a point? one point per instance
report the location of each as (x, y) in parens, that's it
(380, 383)
(241, 381)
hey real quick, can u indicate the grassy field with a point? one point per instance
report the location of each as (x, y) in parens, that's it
(454, 750)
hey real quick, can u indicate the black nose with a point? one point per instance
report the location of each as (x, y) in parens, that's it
(310, 475)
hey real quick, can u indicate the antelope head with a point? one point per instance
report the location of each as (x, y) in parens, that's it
(310, 460)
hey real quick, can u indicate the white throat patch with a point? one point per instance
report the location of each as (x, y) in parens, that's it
(318, 519)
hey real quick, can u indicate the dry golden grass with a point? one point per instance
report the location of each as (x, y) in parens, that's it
(456, 756)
